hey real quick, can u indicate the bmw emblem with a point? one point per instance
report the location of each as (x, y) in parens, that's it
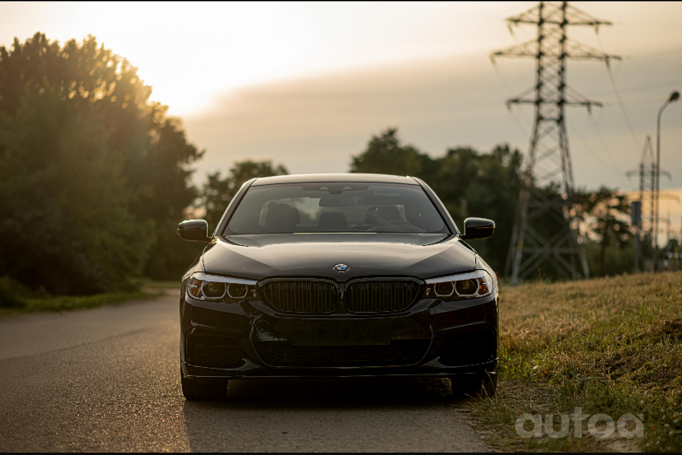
(341, 268)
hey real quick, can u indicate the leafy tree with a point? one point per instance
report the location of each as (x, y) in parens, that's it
(467, 182)
(492, 191)
(67, 226)
(218, 192)
(605, 213)
(140, 159)
(385, 155)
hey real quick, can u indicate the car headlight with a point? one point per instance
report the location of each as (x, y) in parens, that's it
(213, 288)
(463, 286)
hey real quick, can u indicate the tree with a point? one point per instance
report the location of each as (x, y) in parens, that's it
(146, 153)
(218, 192)
(605, 213)
(385, 155)
(468, 183)
(66, 227)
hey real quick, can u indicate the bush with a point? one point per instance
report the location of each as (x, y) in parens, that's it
(12, 294)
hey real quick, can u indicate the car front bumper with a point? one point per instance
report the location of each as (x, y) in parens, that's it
(251, 340)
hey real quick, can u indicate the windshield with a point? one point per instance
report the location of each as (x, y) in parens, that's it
(335, 207)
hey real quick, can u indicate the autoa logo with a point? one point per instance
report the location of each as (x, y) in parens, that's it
(628, 426)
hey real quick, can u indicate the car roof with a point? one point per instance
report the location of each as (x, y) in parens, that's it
(331, 178)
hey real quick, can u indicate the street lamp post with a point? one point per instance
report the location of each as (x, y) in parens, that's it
(674, 96)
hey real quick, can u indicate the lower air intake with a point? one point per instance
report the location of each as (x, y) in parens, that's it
(397, 353)
(218, 352)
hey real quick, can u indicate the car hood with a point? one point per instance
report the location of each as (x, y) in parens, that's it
(265, 256)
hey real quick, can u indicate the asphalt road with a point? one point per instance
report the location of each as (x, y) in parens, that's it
(107, 379)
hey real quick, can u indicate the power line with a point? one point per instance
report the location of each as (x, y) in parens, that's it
(611, 162)
(640, 88)
(502, 78)
(655, 54)
(606, 148)
(636, 103)
(517, 120)
(622, 107)
(619, 68)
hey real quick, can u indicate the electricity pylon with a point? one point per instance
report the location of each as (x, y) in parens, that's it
(546, 230)
(647, 190)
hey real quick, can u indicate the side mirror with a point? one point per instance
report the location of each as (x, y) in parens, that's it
(194, 230)
(478, 228)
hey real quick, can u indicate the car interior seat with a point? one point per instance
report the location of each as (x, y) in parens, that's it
(332, 221)
(370, 216)
(281, 218)
(387, 214)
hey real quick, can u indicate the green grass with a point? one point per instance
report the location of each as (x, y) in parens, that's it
(609, 345)
(71, 303)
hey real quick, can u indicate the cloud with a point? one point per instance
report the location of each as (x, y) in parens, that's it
(316, 124)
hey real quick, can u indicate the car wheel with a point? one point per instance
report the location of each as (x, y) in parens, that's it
(195, 390)
(479, 386)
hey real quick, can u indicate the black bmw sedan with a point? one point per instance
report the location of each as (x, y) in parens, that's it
(337, 275)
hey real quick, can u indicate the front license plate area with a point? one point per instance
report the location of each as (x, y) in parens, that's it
(341, 333)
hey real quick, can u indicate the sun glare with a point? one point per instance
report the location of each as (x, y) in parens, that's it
(192, 52)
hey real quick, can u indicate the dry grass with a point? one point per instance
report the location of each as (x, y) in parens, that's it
(610, 345)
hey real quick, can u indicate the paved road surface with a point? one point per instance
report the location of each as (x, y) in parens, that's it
(107, 379)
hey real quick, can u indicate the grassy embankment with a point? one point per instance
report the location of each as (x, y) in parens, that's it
(15, 300)
(608, 345)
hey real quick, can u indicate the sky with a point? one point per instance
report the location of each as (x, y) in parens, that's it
(308, 84)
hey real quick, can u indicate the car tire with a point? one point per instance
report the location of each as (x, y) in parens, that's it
(194, 390)
(479, 386)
